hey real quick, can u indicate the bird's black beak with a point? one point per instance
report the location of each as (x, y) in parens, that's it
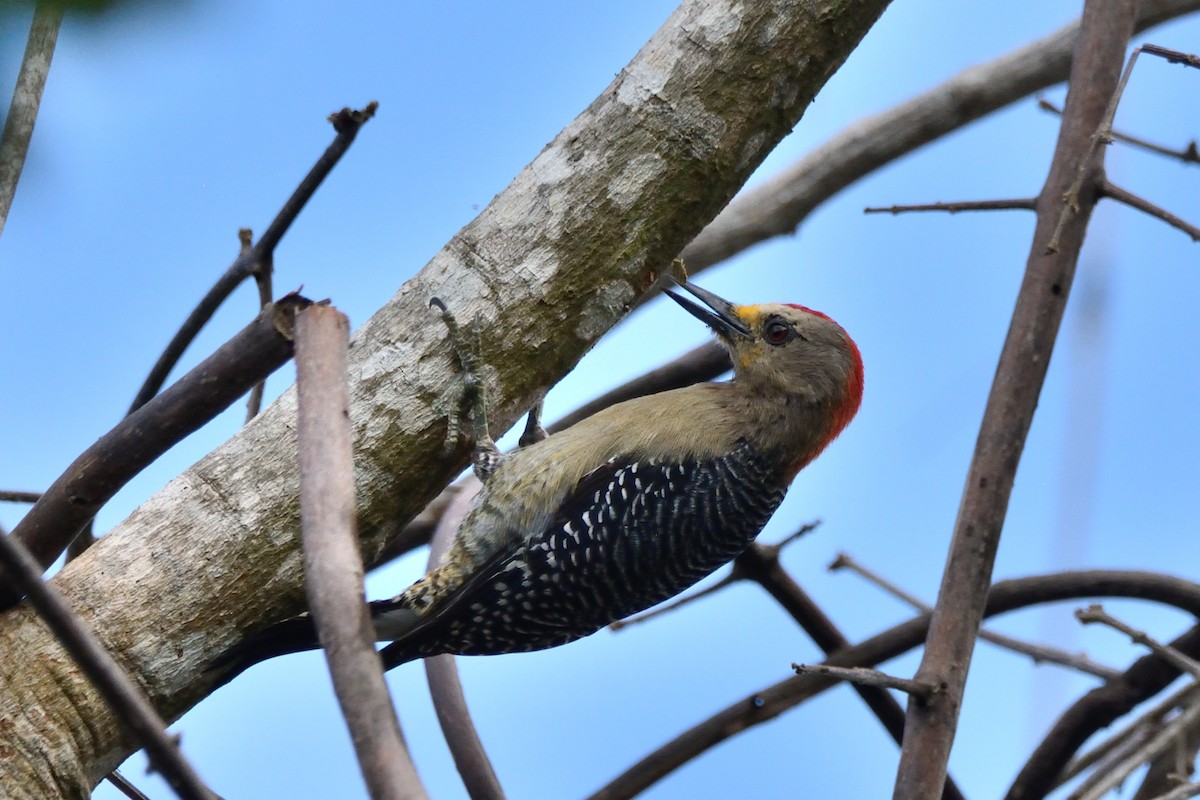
(723, 318)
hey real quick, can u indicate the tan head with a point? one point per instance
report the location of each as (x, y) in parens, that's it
(787, 352)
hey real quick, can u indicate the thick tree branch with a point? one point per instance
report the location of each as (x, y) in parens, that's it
(930, 725)
(119, 692)
(549, 266)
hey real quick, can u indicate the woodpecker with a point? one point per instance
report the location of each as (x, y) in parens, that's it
(626, 508)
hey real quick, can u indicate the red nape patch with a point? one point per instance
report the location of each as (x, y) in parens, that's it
(812, 311)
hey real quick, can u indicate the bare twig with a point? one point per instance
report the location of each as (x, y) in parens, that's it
(778, 206)
(1019, 203)
(1095, 711)
(122, 785)
(118, 690)
(1040, 653)
(264, 269)
(332, 563)
(930, 727)
(26, 99)
(1101, 783)
(15, 496)
(1172, 56)
(96, 475)
(445, 688)
(1008, 595)
(1182, 792)
(862, 676)
(1110, 189)
(1131, 736)
(347, 124)
(1188, 155)
(1097, 614)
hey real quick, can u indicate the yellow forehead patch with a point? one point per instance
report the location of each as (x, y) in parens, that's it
(751, 315)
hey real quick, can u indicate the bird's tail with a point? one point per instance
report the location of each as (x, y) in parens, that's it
(294, 635)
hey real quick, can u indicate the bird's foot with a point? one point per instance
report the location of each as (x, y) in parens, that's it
(468, 398)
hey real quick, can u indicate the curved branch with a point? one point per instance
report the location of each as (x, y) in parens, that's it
(1005, 596)
(445, 688)
(778, 206)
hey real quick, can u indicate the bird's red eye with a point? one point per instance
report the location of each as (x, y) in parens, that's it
(778, 332)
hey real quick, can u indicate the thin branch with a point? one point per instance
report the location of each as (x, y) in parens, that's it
(930, 727)
(15, 496)
(266, 292)
(1008, 595)
(1096, 614)
(122, 785)
(1103, 783)
(441, 672)
(118, 690)
(1172, 56)
(100, 471)
(778, 206)
(704, 363)
(1040, 653)
(862, 676)
(332, 563)
(1110, 189)
(1182, 792)
(1095, 711)
(1188, 155)
(1086, 168)
(347, 123)
(1134, 733)
(26, 99)
(1021, 203)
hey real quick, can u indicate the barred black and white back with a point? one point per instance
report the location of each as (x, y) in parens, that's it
(632, 534)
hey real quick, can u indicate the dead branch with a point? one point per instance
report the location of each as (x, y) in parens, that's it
(1111, 190)
(1095, 614)
(1019, 203)
(26, 99)
(930, 727)
(258, 258)
(1040, 653)
(96, 475)
(862, 676)
(441, 672)
(1005, 596)
(332, 563)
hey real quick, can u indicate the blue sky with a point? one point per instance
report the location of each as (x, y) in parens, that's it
(165, 128)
